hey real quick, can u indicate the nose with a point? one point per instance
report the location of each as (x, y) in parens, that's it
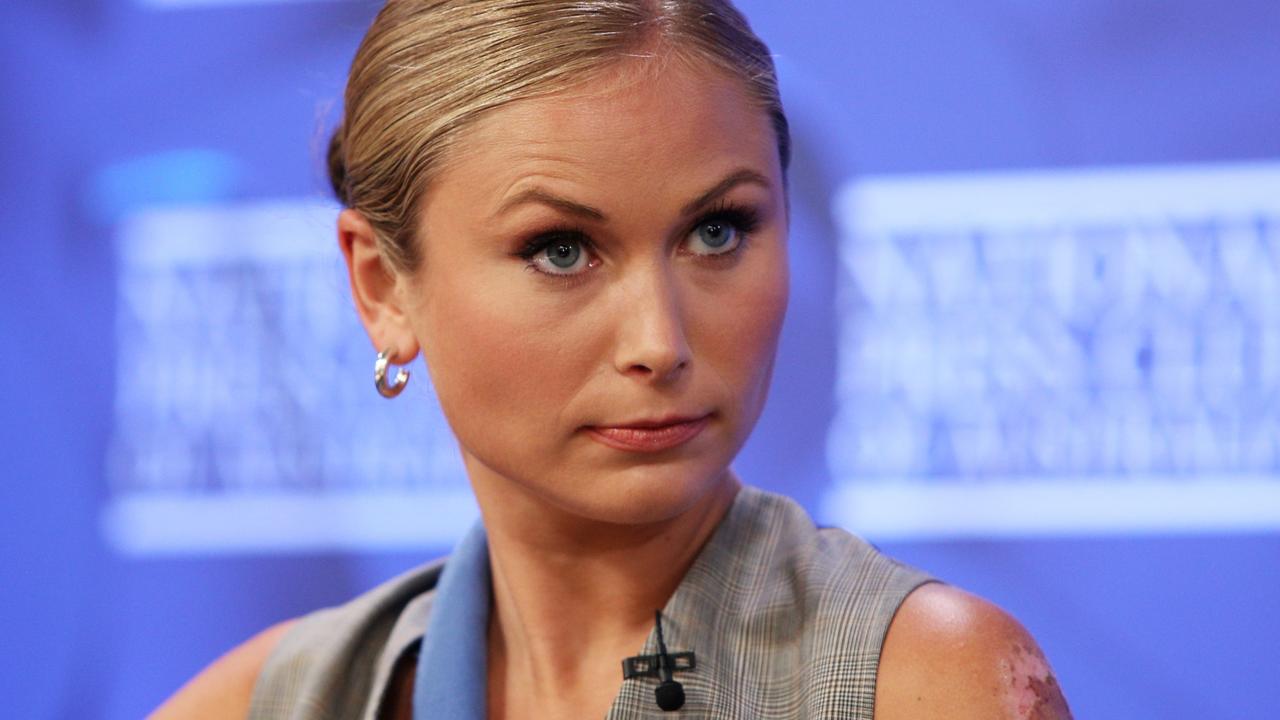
(651, 330)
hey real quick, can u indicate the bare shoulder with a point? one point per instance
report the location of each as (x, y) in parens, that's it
(950, 654)
(223, 690)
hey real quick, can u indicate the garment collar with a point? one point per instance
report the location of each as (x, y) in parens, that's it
(452, 665)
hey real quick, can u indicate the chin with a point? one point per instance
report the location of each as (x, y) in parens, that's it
(597, 484)
(645, 494)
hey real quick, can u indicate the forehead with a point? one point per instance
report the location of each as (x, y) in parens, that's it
(642, 122)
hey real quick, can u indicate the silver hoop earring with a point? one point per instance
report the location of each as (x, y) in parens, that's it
(380, 376)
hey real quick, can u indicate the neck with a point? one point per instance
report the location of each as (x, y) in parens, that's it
(573, 597)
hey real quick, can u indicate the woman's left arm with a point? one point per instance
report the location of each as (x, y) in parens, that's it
(949, 654)
(223, 690)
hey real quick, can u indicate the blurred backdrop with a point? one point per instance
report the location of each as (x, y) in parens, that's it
(1033, 345)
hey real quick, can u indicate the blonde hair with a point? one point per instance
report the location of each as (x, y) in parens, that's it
(427, 69)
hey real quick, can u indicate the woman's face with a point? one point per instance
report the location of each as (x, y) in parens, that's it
(599, 258)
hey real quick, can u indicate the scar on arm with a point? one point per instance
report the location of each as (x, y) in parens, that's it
(1033, 691)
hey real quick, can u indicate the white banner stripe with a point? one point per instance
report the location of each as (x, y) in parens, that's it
(1060, 507)
(160, 524)
(1012, 200)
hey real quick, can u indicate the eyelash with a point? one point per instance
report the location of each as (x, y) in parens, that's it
(745, 220)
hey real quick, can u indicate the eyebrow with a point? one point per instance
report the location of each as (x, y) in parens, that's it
(541, 196)
(736, 178)
(538, 195)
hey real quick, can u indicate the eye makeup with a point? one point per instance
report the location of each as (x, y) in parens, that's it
(743, 219)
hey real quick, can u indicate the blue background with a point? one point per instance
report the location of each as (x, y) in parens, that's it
(110, 106)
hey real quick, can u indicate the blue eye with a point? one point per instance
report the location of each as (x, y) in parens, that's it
(718, 235)
(560, 253)
(563, 254)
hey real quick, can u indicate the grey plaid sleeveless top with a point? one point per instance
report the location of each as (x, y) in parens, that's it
(787, 621)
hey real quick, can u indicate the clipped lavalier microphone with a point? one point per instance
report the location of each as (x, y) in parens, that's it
(670, 693)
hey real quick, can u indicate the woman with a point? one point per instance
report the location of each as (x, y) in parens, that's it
(576, 211)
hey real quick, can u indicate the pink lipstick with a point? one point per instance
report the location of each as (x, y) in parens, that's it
(649, 436)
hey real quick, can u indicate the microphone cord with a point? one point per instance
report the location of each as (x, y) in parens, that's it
(669, 694)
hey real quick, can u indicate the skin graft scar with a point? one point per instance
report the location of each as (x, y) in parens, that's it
(1033, 692)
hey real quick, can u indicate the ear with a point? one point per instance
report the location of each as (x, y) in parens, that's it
(376, 289)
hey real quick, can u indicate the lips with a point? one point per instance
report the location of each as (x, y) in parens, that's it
(650, 435)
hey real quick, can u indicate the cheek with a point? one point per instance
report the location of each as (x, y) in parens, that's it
(504, 363)
(499, 365)
(739, 336)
